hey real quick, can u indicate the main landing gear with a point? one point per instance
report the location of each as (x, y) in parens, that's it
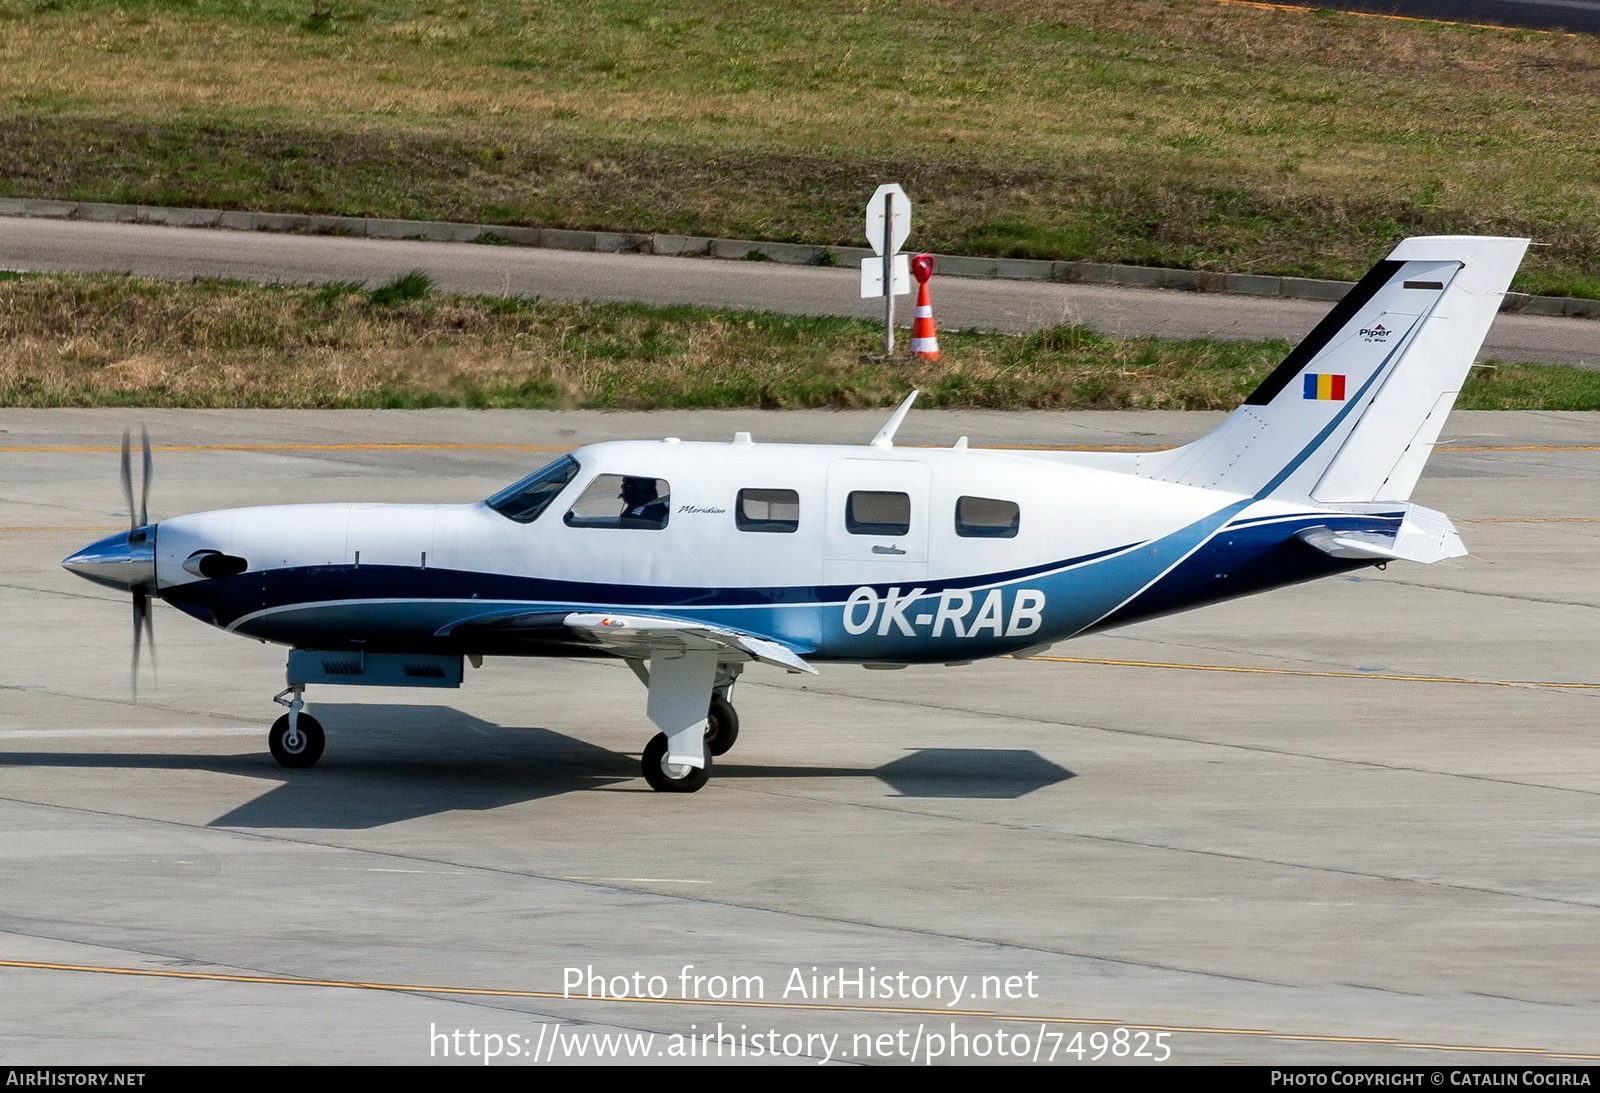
(722, 725)
(670, 777)
(296, 739)
(722, 729)
(688, 701)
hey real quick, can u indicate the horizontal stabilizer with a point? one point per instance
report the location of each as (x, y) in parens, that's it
(1423, 536)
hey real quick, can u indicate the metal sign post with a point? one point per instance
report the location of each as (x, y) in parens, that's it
(887, 251)
(888, 226)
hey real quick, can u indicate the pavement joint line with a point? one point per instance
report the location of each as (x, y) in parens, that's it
(411, 988)
(1204, 742)
(779, 912)
(903, 930)
(62, 592)
(1320, 675)
(1175, 848)
(864, 923)
(1393, 581)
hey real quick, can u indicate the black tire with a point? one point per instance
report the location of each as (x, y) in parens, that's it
(722, 726)
(656, 771)
(306, 751)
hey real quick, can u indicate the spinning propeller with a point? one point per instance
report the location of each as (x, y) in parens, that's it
(138, 533)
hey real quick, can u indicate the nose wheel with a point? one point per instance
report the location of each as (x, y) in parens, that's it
(296, 745)
(296, 739)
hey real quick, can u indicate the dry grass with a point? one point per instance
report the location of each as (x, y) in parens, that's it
(1175, 132)
(114, 340)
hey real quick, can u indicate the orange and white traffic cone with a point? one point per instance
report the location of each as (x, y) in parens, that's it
(924, 338)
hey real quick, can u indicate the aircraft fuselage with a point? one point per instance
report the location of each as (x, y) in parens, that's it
(877, 555)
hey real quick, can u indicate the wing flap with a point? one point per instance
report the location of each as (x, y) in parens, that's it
(638, 636)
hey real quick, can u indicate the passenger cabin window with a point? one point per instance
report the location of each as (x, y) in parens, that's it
(874, 512)
(523, 501)
(987, 518)
(768, 510)
(622, 501)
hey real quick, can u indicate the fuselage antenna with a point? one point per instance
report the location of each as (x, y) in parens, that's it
(885, 437)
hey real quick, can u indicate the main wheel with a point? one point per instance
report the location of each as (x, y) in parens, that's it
(722, 726)
(671, 777)
(298, 750)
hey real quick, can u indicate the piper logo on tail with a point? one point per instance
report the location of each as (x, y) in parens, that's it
(1322, 385)
(1378, 333)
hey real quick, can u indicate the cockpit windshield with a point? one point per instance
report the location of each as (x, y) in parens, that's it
(523, 501)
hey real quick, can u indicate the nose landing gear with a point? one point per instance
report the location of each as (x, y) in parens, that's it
(296, 739)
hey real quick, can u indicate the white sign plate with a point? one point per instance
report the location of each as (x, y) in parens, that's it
(900, 229)
(872, 276)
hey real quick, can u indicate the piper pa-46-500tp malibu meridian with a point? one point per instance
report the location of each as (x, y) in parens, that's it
(691, 560)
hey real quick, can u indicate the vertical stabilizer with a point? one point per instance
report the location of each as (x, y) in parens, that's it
(1353, 411)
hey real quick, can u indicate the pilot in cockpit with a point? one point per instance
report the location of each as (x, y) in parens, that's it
(641, 504)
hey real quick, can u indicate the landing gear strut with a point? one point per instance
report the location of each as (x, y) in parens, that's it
(688, 701)
(296, 739)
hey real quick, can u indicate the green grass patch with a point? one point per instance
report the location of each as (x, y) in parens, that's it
(402, 289)
(1170, 132)
(114, 340)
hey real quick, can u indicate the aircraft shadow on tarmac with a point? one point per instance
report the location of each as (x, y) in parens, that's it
(388, 763)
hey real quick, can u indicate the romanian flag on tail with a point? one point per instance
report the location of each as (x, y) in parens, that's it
(1324, 386)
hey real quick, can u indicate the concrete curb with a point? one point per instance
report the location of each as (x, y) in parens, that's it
(950, 265)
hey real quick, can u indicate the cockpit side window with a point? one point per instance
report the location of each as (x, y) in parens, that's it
(523, 501)
(622, 501)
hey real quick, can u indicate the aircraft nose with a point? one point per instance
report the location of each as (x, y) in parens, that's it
(124, 560)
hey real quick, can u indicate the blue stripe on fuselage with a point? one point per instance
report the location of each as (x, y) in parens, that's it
(1240, 561)
(226, 600)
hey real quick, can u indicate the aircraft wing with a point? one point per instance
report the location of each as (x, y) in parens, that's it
(637, 636)
(634, 636)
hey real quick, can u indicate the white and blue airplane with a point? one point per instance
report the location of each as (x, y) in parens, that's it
(692, 560)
